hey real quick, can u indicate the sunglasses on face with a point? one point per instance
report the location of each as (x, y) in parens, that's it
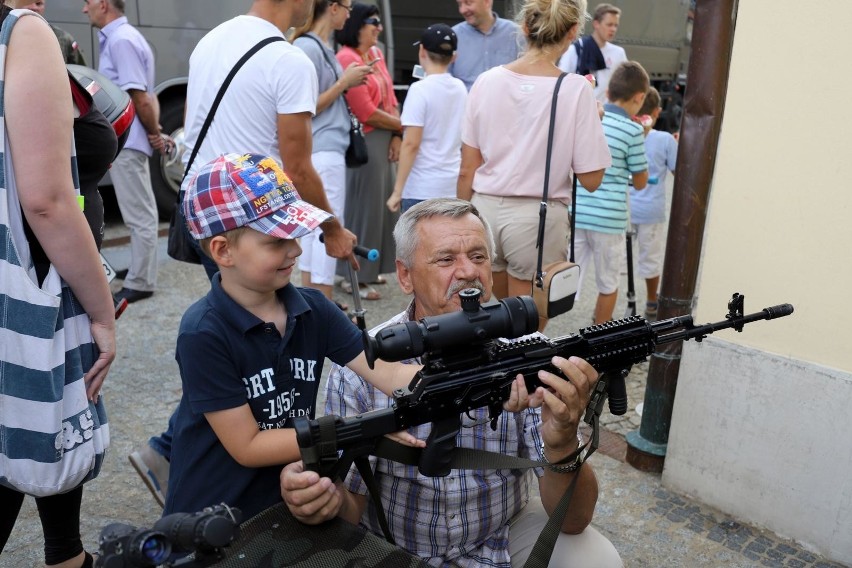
(342, 5)
(374, 21)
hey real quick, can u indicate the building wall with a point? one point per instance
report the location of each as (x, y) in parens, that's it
(762, 420)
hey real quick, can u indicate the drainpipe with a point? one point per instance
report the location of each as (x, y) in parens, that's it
(707, 82)
(390, 44)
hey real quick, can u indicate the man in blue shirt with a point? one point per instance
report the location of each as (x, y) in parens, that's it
(127, 60)
(485, 41)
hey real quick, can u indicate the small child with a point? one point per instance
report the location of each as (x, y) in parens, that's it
(251, 351)
(602, 215)
(430, 156)
(648, 207)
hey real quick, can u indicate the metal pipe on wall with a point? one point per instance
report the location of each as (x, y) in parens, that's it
(704, 103)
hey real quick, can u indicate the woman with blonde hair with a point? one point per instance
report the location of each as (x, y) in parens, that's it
(504, 144)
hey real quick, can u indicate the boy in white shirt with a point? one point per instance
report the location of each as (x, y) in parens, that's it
(432, 115)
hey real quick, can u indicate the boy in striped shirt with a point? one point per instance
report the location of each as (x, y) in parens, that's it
(602, 216)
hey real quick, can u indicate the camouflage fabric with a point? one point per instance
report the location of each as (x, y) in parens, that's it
(70, 50)
(275, 538)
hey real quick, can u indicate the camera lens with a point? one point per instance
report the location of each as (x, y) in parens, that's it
(150, 548)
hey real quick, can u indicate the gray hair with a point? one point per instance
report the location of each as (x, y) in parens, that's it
(118, 5)
(405, 233)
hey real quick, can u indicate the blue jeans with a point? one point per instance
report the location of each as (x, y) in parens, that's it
(162, 444)
(407, 204)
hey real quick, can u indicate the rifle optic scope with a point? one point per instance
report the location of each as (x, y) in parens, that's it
(214, 527)
(474, 324)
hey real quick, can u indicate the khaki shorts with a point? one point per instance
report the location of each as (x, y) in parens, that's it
(589, 548)
(514, 222)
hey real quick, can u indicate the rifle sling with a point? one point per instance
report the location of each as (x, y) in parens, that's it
(468, 458)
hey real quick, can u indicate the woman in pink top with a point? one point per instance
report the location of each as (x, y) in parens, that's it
(369, 186)
(504, 145)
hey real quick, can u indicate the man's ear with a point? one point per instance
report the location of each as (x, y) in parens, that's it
(403, 274)
(220, 251)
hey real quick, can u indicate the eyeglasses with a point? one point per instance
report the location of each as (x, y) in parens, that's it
(374, 21)
(342, 5)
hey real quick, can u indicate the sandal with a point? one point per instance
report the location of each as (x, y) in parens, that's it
(368, 292)
(380, 280)
(651, 311)
(365, 291)
(343, 307)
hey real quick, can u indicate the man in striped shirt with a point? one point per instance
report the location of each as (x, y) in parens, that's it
(471, 517)
(602, 216)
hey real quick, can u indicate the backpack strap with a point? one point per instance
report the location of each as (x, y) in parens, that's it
(209, 120)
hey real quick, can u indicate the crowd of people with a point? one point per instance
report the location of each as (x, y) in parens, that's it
(450, 195)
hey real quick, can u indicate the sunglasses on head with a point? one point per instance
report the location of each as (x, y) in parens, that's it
(374, 21)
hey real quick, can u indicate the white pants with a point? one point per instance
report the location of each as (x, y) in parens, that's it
(131, 179)
(651, 239)
(607, 252)
(331, 167)
(589, 549)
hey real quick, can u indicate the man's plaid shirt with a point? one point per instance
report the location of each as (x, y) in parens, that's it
(458, 520)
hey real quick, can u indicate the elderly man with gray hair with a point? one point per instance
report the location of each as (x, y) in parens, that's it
(471, 517)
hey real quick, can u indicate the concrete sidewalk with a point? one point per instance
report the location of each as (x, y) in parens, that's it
(649, 525)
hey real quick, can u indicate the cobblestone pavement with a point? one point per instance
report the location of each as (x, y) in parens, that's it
(649, 525)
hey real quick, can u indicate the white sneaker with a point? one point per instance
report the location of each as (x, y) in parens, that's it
(154, 471)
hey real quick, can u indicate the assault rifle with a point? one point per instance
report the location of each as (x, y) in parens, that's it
(467, 367)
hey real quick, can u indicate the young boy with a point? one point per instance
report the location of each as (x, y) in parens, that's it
(430, 156)
(648, 207)
(602, 215)
(251, 352)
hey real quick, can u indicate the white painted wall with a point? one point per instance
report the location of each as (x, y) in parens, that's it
(762, 424)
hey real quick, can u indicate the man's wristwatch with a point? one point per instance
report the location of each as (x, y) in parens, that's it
(569, 467)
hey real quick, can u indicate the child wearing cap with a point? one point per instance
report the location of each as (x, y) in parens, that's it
(432, 115)
(251, 351)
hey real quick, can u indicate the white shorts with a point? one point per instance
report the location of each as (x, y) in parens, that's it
(606, 252)
(331, 167)
(651, 239)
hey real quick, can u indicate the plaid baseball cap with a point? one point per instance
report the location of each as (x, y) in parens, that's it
(440, 39)
(247, 190)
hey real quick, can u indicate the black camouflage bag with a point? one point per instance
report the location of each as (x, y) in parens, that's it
(275, 538)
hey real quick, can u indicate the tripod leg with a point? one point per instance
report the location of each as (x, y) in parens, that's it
(631, 290)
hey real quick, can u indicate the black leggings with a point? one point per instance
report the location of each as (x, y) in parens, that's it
(60, 521)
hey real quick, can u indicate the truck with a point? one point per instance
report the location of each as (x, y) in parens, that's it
(654, 32)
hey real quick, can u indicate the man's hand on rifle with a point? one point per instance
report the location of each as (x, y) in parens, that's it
(313, 499)
(519, 399)
(564, 404)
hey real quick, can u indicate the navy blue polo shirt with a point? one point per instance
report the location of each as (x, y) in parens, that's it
(227, 357)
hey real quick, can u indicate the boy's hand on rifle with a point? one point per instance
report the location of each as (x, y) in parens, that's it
(565, 401)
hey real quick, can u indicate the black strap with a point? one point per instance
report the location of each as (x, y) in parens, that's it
(469, 458)
(209, 120)
(324, 54)
(573, 214)
(352, 118)
(542, 212)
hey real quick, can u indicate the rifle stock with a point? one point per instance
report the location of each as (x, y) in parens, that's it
(455, 381)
